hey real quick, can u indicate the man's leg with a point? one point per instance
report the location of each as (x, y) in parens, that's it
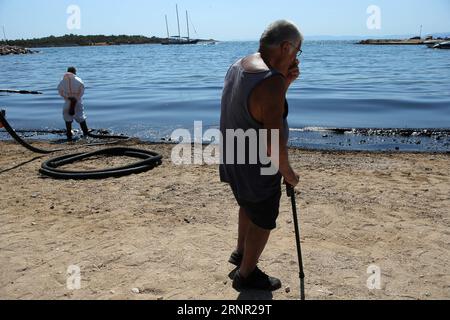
(85, 128)
(69, 131)
(244, 224)
(255, 242)
(254, 237)
(249, 276)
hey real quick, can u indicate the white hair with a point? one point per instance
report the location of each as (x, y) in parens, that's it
(278, 32)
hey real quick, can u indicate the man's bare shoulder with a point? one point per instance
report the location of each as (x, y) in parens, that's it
(254, 64)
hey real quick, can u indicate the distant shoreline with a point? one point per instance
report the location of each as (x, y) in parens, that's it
(88, 41)
(412, 41)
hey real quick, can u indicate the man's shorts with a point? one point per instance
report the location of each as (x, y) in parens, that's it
(79, 113)
(263, 214)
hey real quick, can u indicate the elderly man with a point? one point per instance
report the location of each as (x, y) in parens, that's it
(71, 88)
(254, 98)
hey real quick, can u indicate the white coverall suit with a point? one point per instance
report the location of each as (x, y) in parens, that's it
(72, 86)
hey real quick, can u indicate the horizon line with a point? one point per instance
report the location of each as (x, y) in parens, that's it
(356, 37)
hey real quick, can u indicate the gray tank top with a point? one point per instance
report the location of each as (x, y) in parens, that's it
(245, 179)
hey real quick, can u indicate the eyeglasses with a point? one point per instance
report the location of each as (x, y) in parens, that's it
(299, 51)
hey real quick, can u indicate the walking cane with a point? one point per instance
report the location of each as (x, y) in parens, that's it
(291, 194)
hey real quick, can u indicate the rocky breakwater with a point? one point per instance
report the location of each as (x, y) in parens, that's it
(392, 42)
(7, 50)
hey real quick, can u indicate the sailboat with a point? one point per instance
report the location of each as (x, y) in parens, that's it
(178, 40)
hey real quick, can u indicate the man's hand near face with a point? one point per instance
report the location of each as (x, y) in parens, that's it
(293, 73)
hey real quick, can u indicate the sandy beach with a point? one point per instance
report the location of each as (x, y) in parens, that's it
(169, 232)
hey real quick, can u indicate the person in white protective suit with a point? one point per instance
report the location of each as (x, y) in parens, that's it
(71, 88)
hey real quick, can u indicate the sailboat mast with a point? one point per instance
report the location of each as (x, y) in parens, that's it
(178, 20)
(4, 35)
(187, 21)
(167, 27)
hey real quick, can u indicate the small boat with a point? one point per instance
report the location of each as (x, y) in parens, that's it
(179, 40)
(442, 45)
(431, 43)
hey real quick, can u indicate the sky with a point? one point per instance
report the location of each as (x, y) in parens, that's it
(222, 19)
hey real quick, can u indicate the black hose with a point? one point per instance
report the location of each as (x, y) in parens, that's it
(149, 162)
(28, 146)
(20, 91)
(16, 137)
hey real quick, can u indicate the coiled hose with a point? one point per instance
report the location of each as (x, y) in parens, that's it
(149, 159)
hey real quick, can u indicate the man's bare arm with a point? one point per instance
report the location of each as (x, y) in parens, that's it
(270, 96)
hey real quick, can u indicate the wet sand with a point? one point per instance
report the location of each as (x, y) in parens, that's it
(169, 232)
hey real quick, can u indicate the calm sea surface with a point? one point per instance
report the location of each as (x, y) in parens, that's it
(149, 90)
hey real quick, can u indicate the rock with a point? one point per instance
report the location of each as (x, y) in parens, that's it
(6, 50)
(187, 220)
(52, 207)
(288, 289)
(112, 292)
(35, 195)
(135, 290)
(160, 298)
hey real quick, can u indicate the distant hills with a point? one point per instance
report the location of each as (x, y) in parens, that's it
(71, 40)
